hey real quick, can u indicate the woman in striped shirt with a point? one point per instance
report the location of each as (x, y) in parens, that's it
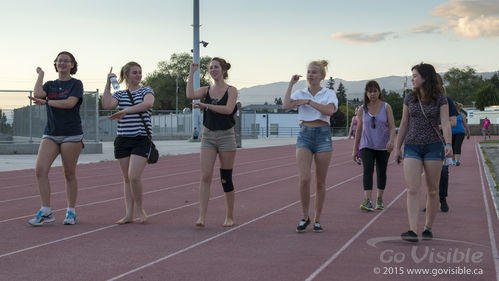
(132, 143)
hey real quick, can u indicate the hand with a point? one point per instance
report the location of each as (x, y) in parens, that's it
(199, 105)
(301, 102)
(398, 156)
(118, 115)
(294, 79)
(448, 151)
(38, 101)
(468, 137)
(389, 146)
(194, 67)
(355, 157)
(110, 74)
(39, 70)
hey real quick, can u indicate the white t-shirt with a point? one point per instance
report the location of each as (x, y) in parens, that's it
(306, 112)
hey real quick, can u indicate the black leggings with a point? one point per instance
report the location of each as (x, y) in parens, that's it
(457, 142)
(368, 156)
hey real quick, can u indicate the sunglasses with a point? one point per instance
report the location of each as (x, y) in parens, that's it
(214, 101)
(374, 121)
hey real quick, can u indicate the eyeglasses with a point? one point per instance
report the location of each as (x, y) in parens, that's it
(63, 61)
(373, 118)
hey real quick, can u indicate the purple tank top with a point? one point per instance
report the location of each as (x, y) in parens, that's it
(375, 133)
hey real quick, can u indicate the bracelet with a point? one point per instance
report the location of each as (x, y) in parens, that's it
(448, 144)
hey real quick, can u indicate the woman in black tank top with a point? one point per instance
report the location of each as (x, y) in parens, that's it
(218, 137)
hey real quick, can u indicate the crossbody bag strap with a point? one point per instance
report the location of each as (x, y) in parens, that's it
(436, 131)
(140, 114)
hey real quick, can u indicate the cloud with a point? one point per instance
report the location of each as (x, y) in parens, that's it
(361, 38)
(426, 28)
(470, 19)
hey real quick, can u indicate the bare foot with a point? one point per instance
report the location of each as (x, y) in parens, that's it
(228, 222)
(200, 223)
(125, 220)
(142, 217)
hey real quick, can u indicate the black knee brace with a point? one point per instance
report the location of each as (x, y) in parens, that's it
(226, 178)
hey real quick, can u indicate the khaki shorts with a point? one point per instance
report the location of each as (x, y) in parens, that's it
(219, 140)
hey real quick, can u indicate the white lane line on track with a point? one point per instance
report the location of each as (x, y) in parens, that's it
(159, 190)
(53, 181)
(349, 242)
(222, 233)
(493, 244)
(121, 182)
(165, 211)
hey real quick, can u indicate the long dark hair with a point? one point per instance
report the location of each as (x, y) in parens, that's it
(429, 90)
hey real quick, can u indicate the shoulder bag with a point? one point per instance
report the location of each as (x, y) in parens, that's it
(152, 151)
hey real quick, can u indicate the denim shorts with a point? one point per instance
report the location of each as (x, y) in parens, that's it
(315, 139)
(425, 152)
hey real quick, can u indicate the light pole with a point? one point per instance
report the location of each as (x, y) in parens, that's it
(195, 58)
(176, 96)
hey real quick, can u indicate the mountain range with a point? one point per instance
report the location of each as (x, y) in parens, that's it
(354, 89)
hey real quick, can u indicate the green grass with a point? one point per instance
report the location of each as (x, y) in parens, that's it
(489, 163)
(489, 141)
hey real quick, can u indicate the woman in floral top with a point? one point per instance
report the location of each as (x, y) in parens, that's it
(423, 149)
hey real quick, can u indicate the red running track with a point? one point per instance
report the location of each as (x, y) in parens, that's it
(263, 245)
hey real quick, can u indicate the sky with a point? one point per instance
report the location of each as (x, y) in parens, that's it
(265, 41)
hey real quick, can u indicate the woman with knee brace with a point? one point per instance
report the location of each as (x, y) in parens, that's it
(315, 106)
(375, 138)
(218, 136)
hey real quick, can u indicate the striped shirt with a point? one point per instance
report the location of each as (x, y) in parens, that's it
(131, 125)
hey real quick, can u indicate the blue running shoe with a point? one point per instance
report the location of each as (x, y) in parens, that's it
(41, 218)
(70, 218)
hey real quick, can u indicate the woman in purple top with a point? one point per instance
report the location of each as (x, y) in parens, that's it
(423, 148)
(375, 138)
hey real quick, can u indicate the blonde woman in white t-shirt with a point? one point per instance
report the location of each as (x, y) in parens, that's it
(315, 106)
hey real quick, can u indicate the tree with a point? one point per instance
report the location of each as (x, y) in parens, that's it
(341, 94)
(338, 119)
(330, 83)
(396, 101)
(462, 84)
(278, 101)
(4, 127)
(163, 80)
(486, 95)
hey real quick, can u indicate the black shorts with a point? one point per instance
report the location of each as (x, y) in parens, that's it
(125, 146)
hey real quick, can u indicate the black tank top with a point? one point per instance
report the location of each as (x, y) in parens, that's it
(214, 120)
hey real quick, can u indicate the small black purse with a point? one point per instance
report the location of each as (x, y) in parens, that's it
(152, 152)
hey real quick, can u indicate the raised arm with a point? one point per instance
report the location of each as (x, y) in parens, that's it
(190, 92)
(108, 102)
(38, 91)
(288, 103)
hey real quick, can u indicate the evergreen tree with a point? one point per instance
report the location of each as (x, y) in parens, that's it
(330, 83)
(341, 94)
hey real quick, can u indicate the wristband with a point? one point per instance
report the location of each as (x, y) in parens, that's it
(47, 103)
(448, 144)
